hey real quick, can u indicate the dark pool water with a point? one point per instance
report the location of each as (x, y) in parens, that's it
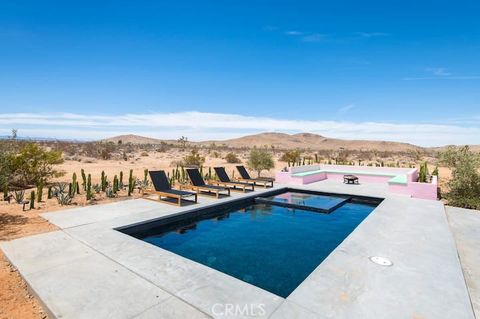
(271, 247)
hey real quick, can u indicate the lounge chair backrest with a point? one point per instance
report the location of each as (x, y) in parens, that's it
(159, 180)
(243, 172)
(222, 175)
(195, 177)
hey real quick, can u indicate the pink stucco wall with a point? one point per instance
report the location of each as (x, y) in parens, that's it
(416, 190)
(411, 188)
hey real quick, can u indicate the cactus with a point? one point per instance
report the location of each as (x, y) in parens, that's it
(39, 191)
(84, 179)
(145, 176)
(5, 191)
(103, 181)
(435, 171)
(19, 196)
(32, 200)
(74, 185)
(89, 187)
(109, 192)
(131, 183)
(115, 184)
(120, 182)
(64, 199)
(209, 172)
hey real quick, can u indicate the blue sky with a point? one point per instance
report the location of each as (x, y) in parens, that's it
(398, 70)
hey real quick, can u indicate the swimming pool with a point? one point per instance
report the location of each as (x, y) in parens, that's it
(270, 246)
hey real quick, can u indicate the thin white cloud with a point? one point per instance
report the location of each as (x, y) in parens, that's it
(204, 126)
(314, 37)
(371, 34)
(441, 73)
(346, 108)
(295, 33)
(438, 71)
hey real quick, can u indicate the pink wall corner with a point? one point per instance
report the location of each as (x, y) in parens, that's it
(416, 190)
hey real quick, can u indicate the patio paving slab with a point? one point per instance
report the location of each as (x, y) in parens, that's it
(74, 281)
(425, 280)
(172, 308)
(195, 283)
(465, 225)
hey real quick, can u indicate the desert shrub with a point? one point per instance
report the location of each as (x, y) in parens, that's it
(464, 186)
(259, 160)
(144, 154)
(232, 158)
(193, 159)
(32, 164)
(292, 156)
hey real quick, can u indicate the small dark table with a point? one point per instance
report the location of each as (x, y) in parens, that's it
(350, 179)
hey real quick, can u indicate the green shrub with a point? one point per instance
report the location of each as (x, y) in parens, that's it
(30, 164)
(193, 159)
(259, 160)
(291, 157)
(232, 158)
(464, 186)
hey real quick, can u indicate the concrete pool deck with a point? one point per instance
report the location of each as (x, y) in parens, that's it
(89, 270)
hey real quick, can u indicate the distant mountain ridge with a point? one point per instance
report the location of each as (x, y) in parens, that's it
(283, 141)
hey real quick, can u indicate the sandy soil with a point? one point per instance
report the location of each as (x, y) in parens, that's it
(15, 300)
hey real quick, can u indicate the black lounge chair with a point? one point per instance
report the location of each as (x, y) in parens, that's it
(198, 184)
(227, 182)
(162, 188)
(245, 177)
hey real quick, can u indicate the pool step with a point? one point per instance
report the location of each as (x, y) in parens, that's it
(261, 200)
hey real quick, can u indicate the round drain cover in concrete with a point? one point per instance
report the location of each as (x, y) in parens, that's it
(382, 261)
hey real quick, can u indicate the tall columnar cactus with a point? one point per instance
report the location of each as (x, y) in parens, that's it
(89, 187)
(84, 180)
(145, 176)
(103, 181)
(40, 191)
(131, 183)
(121, 180)
(5, 191)
(115, 184)
(78, 188)
(49, 192)
(74, 185)
(32, 200)
(209, 172)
